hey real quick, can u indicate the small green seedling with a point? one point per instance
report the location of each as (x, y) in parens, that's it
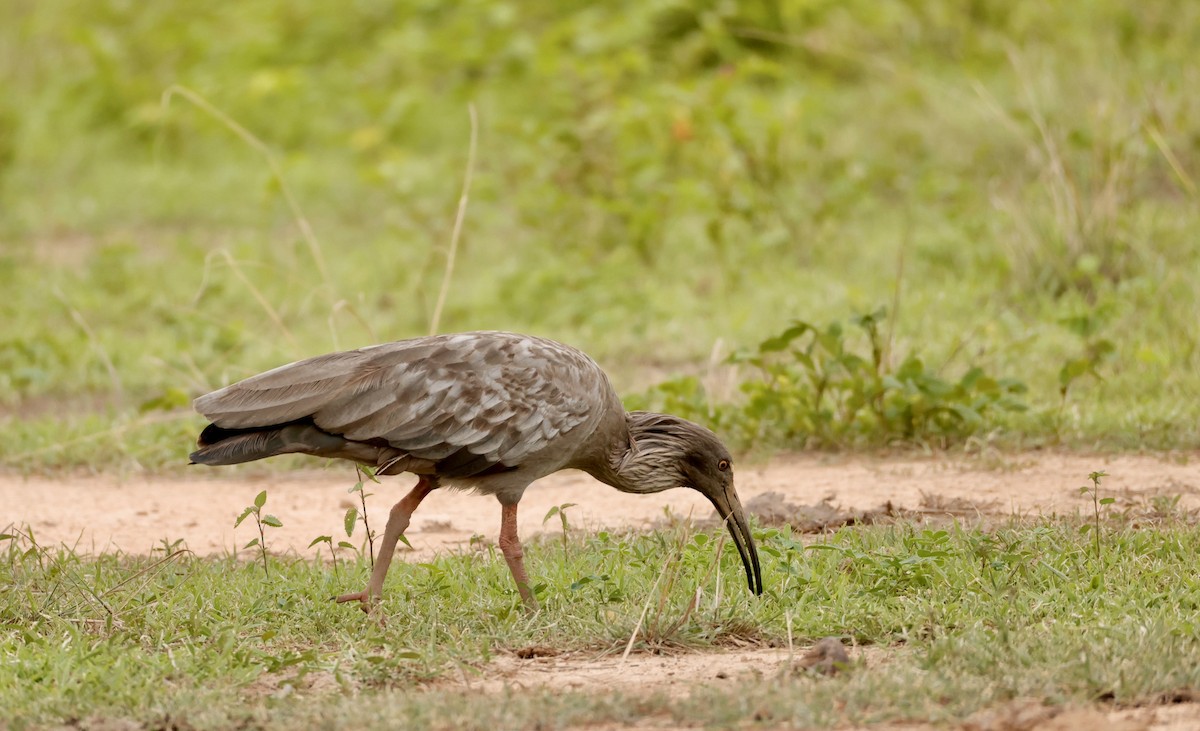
(1097, 501)
(171, 547)
(561, 512)
(328, 540)
(262, 521)
(353, 515)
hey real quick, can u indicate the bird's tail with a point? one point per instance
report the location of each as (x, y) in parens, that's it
(219, 445)
(233, 446)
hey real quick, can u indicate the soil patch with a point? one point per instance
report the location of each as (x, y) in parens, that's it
(137, 514)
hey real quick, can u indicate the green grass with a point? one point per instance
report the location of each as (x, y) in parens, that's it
(968, 617)
(655, 182)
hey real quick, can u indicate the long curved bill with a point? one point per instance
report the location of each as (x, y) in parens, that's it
(729, 507)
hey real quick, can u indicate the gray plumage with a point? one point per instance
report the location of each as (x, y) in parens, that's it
(490, 411)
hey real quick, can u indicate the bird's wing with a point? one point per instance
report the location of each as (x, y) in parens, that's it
(495, 396)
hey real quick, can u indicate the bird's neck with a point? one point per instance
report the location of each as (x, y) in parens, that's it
(643, 476)
(640, 464)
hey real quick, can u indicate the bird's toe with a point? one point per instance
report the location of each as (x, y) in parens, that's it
(365, 601)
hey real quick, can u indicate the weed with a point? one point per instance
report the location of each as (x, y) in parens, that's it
(561, 512)
(821, 386)
(459, 217)
(353, 515)
(263, 522)
(170, 547)
(328, 541)
(1094, 352)
(1094, 491)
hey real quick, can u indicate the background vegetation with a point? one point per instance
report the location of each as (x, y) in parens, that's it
(660, 183)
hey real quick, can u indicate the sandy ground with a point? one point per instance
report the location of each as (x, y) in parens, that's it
(136, 514)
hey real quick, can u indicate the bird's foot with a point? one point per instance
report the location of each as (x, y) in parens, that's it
(367, 602)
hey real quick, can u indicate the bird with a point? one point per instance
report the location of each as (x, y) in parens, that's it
(488, 411)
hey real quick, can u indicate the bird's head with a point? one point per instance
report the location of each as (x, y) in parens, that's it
(667, 451)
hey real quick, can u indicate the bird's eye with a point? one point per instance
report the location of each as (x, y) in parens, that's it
(723, 465)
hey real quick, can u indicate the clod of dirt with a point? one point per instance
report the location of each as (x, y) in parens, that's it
(772, 508)
(528, 653)
(826, 657)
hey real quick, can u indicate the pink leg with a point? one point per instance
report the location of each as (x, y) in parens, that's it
(510, 546)
(396, 525)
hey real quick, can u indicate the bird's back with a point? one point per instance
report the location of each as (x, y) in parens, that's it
(482, 402)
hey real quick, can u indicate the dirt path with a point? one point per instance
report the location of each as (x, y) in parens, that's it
(136, 514)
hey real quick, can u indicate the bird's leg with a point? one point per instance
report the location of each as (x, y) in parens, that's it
(510, 546)
(396, 525)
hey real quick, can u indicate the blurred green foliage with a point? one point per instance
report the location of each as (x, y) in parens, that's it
(815, 386)
(655, 181)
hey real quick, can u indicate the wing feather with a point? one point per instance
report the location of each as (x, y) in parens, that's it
(497, 396)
